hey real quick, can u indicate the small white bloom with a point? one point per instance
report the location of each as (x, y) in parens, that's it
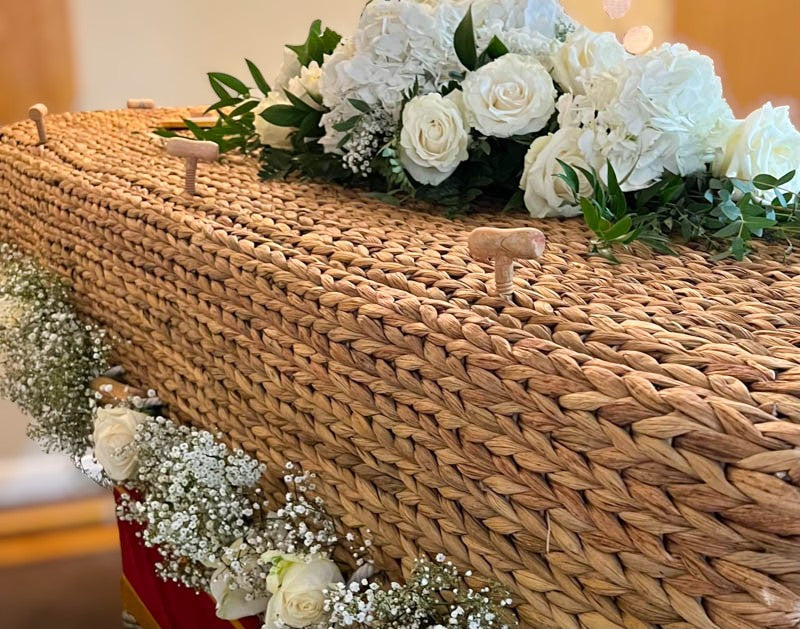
(512, 95)
(114, 435)
(583, 55)
(766, 142)
(270, 134)
(298, 591)
(546, 194)
(434, 138)
(290, 68)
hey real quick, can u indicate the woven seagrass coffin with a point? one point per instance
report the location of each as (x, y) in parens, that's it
(619, 446)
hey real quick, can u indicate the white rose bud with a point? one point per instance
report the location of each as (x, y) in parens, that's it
(583, 55)
(114, 449)
(290, 68)
(232, 599)
(546, 194)
(434, 138)
(270, 134)
(298, 590)
(766, 142)
(306, 85)
(512, 95)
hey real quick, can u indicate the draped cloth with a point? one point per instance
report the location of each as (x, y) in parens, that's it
(157, 604)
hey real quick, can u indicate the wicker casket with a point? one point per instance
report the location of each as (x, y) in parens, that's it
(618, 446)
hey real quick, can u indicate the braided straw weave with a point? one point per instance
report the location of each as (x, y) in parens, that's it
(620, 447)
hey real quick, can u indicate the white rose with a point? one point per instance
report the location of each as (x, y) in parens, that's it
(234, 601)
(434, 138)
(298, 590)
(766, 142)
(270, 134)
(512, 95)
(545, 193)
(114, 433)
(583, 55)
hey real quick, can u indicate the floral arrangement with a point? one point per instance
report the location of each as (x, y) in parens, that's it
(48, 355)
(194, 497)
(201, 507)
(448, 100)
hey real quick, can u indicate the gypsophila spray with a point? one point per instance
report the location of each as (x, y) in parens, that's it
(194, 498)
(48, 355)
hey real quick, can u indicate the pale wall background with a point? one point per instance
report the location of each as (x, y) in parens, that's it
(162, 49)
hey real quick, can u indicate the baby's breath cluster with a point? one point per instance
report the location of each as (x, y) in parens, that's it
(301, 526)
(435, 597)
(194, 497)
(48, 355)
(369, 135)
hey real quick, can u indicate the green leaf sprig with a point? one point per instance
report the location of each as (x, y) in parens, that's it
(723, 214)
(466, 46)
(235, 126)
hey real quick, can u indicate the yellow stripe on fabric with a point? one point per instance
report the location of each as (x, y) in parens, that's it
(134, 606)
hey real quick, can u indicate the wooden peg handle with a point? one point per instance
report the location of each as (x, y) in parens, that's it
(37, 114)
(504, 246)
(192, 151)
(141, 103)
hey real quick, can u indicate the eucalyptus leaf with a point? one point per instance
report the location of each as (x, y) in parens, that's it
(259, 79)
(231, 82)
(363, 107)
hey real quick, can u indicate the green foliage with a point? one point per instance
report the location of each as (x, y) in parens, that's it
(724, 215)
(235, 127)
(464, 42)
(493, 168)
(258, 77)
(388, 166)
(307, 161)
(318, 44)
(466, 46)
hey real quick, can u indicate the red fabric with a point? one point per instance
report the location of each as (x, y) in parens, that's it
(172, 605)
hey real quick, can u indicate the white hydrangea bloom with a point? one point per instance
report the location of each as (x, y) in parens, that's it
(402, 43)
(544, 17)
(660, 111)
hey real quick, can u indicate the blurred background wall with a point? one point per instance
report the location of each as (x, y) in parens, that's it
(94, 54)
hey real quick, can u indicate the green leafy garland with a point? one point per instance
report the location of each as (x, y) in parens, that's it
(724, 215)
